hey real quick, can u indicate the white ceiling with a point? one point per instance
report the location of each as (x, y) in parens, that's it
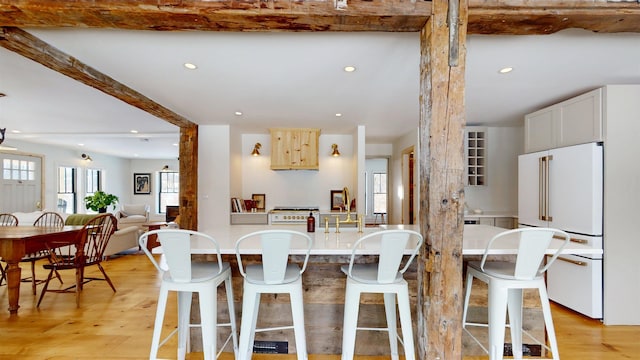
(282, 79)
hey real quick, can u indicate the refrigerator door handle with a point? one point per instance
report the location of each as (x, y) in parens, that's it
(574, 262)
(547, 217)
(575, 240)
(541, 198)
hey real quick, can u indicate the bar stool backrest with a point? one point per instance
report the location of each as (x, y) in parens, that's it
(275, 247)
(532, 246)
(176, 249)
(392, 246)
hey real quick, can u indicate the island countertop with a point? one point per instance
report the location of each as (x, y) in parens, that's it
(475, 238)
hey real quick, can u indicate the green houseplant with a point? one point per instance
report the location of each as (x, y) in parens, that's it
(100, 200)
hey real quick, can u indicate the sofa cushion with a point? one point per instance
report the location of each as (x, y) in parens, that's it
(79, 219)
(132, 219)
(128, 210)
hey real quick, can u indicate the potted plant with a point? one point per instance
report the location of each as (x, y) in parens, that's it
(100, 200)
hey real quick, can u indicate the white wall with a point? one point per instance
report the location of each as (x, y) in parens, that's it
(152, 167)
(297, 187)
(116, 174)
(501, 192)
(214, 182)
(621, 202)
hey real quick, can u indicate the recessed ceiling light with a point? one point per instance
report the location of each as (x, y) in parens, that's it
(506, 70)
(134, 131)
(190, 66)
(349, 68)
(238, 113)
(338, 114)
(16, 131)
(80, 144)
(175, 144)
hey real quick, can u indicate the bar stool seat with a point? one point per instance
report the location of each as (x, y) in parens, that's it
(384, 277)
(182, 275)
(275, 276)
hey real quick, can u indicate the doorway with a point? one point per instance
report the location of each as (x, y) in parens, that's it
(376, 190)
(21, 183)
(408, 184)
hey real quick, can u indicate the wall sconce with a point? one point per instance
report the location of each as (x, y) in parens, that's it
(165, 168)
(335, 152)
(256, 149)
(86, 157)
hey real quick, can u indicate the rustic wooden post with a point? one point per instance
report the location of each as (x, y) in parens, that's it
(188, 196)
(441, 184)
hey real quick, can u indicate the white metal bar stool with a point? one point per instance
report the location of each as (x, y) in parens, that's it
(274, 275)
(181, 274)
(506, 280)
(383, 277)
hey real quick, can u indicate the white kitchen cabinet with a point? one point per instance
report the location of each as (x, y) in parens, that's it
(571, 122)
(503, 221)
(539, 131)
(259, 218)
(580, 119)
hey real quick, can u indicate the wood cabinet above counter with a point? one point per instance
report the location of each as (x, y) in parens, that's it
(294, 149)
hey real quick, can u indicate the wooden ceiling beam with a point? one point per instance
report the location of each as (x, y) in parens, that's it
(508, 17)
(248, 15)
(29, 46)
(522, 17)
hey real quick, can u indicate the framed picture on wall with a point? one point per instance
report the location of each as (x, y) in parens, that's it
(259, 201)
(141, 184)
(337, 200)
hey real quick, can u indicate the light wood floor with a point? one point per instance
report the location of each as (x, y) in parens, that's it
(119, 326)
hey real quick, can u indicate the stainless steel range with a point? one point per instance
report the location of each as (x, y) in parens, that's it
(293, 215)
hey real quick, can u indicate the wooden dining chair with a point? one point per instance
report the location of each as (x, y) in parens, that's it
(47, 219)
(87, 251)
(6, 220)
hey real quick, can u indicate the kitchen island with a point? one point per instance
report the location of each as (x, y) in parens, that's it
(324, 284)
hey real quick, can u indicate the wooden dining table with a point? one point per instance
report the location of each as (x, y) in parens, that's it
(17, 241)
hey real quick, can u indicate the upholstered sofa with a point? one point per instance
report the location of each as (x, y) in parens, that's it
(132, 215)
(122, 239)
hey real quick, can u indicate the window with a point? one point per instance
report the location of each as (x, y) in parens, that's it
(14, 169)
(169, 189)
(93, 181)
(379, 193)
(67, 190)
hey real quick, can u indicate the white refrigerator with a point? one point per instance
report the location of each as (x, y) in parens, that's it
(563, 188)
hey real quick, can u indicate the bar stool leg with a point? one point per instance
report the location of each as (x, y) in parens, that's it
(297, 312)
(208, 320)
(548, 320)
(350, 324)
(184, 314)
(392, 326)
(405, 322)
(514, 305)
(467, 296)
(157, 328)
(250, 306)
(232, 314)
(497, 319)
